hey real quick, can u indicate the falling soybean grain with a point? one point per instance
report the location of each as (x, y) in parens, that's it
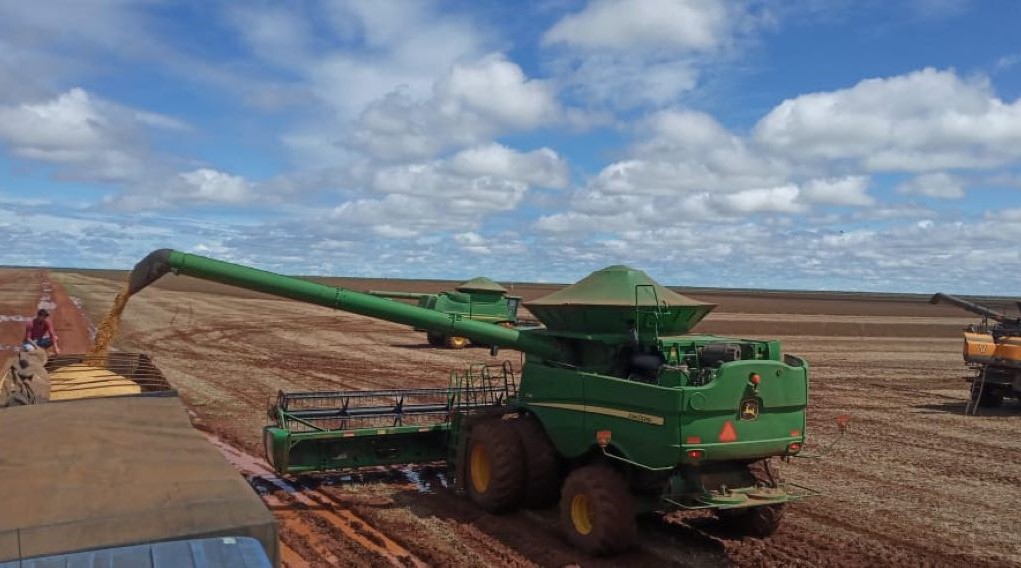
(108, 329)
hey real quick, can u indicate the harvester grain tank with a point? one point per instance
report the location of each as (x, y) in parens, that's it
(479, 299)
(993, 348)
(618, 409)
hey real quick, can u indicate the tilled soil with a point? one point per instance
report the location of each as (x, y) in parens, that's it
(913, 482)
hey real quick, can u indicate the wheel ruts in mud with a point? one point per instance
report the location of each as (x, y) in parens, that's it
(757, 521)
(455, 342)
(542, 463)
(597, 510)
(495, 466)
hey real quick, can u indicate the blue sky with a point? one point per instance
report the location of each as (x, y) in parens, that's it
(812, 144)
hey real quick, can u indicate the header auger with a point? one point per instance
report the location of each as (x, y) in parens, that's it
(618, 409)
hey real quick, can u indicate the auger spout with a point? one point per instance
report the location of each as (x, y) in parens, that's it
(162, 261)
(970, 306)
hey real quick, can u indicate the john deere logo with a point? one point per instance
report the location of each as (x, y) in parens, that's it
(749, 409)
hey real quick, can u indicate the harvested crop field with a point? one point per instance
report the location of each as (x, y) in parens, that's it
(914, 482)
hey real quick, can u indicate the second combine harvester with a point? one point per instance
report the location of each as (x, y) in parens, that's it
(619, 410)
(478, 299)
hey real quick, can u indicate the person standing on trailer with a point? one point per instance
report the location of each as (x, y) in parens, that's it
(39, 331)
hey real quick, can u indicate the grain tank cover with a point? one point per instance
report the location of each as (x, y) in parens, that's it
(615, 300)
(481, 284)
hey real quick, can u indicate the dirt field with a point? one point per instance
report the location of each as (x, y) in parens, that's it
(913, 483)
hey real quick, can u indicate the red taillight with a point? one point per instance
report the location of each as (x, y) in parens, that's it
(795, 433)
(693, 440)
(793, 448)
(695, 454)
(603, 438)
(755, 379)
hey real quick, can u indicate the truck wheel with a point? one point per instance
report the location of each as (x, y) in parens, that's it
(496, 466)
(434, 339)
(597, 510)
(990, 397)
(455, 342)
(542, 463)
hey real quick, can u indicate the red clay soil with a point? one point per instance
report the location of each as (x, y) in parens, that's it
(22, 293)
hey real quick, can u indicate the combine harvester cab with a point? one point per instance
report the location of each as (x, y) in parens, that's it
(478, 299)
(618, 410)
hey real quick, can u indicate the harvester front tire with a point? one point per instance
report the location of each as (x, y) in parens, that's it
(455, 342)
(495, 466)
(542, 463)
(597, 510)
(434, 339)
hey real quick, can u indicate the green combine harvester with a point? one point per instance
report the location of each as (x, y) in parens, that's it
(617, 410)
(479, 299)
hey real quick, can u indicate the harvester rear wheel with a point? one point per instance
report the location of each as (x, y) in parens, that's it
(542, 463)
(455, 342)
(496, 466)
(759, 521)
(434, 339)
(597, 510)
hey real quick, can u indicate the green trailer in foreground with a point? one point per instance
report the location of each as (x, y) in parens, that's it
(618, 409)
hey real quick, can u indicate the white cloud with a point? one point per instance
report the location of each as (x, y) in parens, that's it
(87, 136)
(631, 53)
(542, 167)
(925, 120)
(205, 184)
(939, 185)
(778, 199)
(698, 25)
(458, 193)
(848, 190)
(473, 102)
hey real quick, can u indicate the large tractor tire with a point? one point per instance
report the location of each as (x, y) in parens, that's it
(759, 521)
(542, 463)
(597, 510)
(495, 466)
(434, 339)
(455, 342)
